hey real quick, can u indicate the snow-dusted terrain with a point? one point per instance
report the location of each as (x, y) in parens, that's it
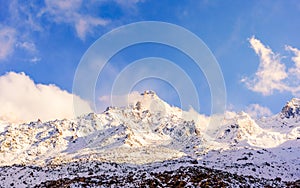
(150, 140)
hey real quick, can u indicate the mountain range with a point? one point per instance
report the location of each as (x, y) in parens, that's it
(152, 144)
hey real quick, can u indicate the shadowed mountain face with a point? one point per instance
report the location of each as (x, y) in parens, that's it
(291, 109)
(152, 143)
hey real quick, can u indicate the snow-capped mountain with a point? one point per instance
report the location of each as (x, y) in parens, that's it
(291, 109)
(154, 138)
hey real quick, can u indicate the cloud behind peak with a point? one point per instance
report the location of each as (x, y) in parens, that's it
(22, 100)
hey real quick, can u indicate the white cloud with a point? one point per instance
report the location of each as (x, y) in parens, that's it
(28, 46)
(85, 24)
(35, 59)
(22, 100)
(256, 111)
(67, 11)
(272, 74)
(201, 121)
(295, 71)
(7, 42)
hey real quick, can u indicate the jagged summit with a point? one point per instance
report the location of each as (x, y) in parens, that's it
(147, 100)
(149, 92)
(150, 101)
(291, 109)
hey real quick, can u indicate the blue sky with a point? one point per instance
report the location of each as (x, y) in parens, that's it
(255, 43)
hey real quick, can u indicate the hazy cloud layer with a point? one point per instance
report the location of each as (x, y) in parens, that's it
(22, 100)
(273, 75)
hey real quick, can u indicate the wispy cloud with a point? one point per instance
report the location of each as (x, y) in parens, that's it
(31, 49)
(7, 42)
(68, 11)
(17, 28)
(23, 16)
(35, 59)
(28, 46)
(25, 19)
(128, 3)
(272, 74)
(295, 71)
(22, 100)
(256, 111)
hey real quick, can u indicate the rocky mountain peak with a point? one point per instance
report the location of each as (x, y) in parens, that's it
(291, 109)
(149, 93)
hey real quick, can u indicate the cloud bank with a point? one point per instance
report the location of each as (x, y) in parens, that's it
(272, 75)
(22, 100)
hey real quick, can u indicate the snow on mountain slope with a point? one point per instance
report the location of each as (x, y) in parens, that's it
(149, 126)
(243, 128)
(150, 130)
(268, 147)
